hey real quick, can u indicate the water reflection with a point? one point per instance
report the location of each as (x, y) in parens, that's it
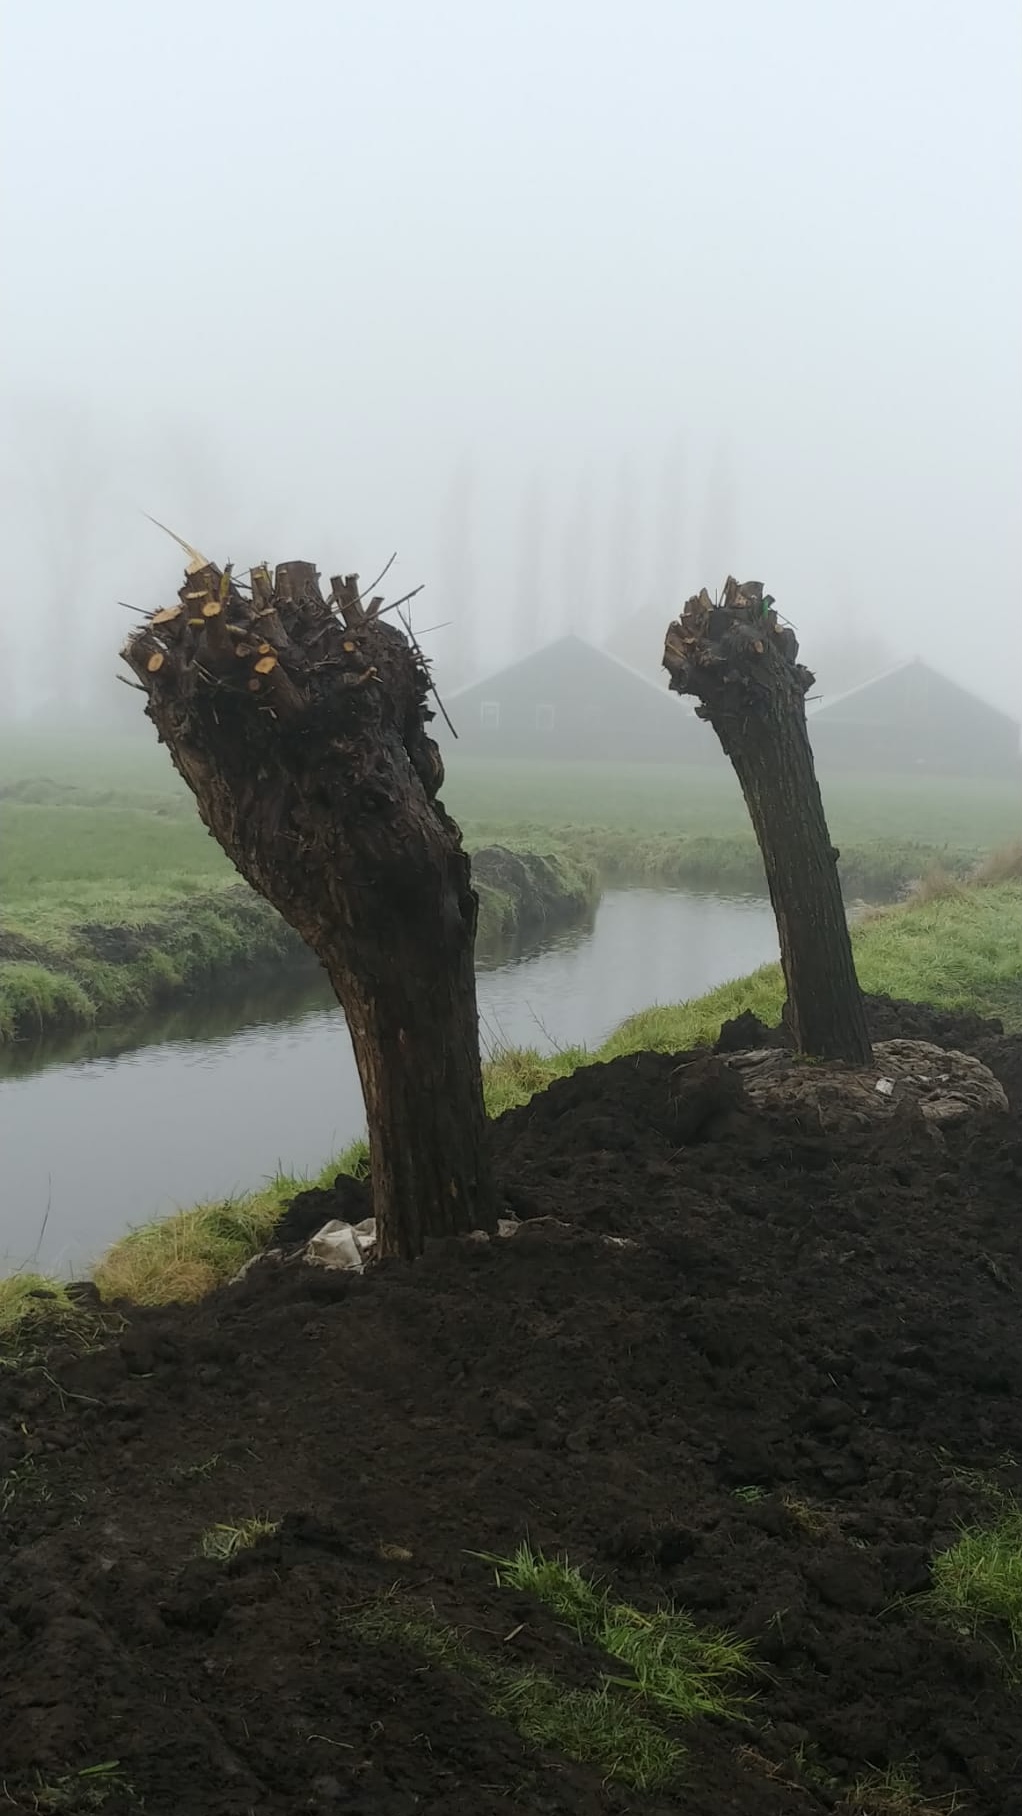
(258, 1000)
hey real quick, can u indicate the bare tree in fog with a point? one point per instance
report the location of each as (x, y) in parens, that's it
(668, 555)
(640, 599)
(531, 603)
(459, 655)
(718, 530)
(851, 650)
(62, 531)
(197, 489)
(579, 611)
(624, 546)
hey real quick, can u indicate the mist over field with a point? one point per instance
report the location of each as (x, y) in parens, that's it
(579, 308)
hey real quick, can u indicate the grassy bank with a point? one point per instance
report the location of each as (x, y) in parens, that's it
(111, 909)
(875, 871)
(953, 947)
(62, 968)
(94, 955)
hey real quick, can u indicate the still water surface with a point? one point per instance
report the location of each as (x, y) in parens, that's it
(112, 1129)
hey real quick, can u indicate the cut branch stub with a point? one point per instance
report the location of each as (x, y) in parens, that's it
(742, 666)
(303, 738)
(734, 653)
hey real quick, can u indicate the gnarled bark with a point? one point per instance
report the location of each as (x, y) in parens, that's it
(299, 725)
(742, 666)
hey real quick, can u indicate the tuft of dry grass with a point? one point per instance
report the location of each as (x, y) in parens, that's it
(221, 1543)
(184, 1256)
(37, 1312)
(895, 1791)
(938, 884)
(815, 1522)
(1001, 866)
(180, 1258)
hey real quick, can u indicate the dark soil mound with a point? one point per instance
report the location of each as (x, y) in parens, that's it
(347, 1199)
(770, 1404)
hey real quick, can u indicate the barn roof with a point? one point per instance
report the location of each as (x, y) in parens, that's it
(558, 643)
(825, 705)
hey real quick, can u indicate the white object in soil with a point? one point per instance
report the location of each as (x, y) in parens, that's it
(343, 1245)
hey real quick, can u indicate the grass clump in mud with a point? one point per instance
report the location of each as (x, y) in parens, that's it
(36, 1312)
(223, 1541)
(895, 1792)
(687, 1671)
(596, 1727)
(514, 1074)
(977, 1582)
(30, 1299)
(591, 1726)
(183, 1473)
(90, 1788)
(675, 1671)
(25, 1482)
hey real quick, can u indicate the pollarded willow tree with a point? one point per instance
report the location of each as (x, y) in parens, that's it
(299, 724)
(742, 666)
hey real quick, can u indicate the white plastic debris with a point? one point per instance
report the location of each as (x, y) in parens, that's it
(342, 1245)
(885, 1086)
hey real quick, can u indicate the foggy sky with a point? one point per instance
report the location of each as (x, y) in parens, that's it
(325, 278)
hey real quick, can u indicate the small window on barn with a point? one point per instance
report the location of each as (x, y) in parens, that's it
(544, 718)
(489, 715)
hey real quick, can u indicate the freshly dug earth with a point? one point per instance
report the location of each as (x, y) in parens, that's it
(770, 1406)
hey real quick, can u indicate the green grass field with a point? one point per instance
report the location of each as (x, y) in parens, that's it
(116, 812)
(961, 815)
(97, 850)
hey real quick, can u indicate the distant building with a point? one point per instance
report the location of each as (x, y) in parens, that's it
(913, 718)
(573, 701)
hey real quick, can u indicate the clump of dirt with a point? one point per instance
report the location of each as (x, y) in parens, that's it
(347, 1199)
(18, 950)
(773, 1403)
(540, 891)
(115, 945)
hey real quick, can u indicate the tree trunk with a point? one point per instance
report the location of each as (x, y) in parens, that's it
(299, 726)
(742, 666)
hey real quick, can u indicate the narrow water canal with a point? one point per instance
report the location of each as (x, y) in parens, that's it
(112, 1129)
